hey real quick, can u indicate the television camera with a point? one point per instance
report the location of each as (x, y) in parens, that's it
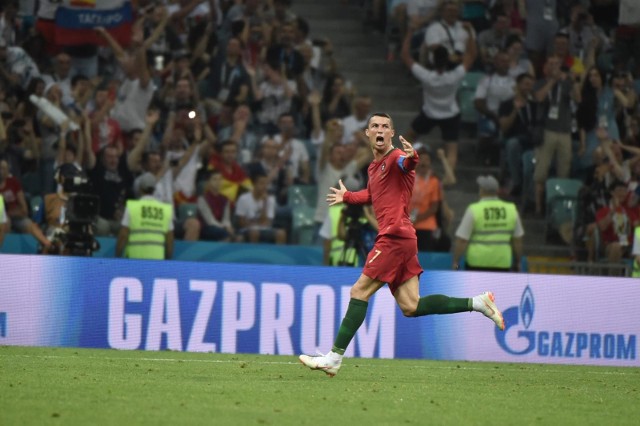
(75, 237)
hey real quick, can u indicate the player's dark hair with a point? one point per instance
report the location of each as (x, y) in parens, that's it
(380, 114)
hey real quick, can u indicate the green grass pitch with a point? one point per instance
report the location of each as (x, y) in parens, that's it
(52, 386)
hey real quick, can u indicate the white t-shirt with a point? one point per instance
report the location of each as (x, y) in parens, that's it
(351, 125)
(274, 101)
(629, 12)
(495, 89)
(328, 178)
(63, 84)
(248, 207)
(201, 11)
(186, 179)
(439, 90)
(126, 216)
(299, 154)
(47, 9)
(19, 62)
(454, 38)
(521, 67)
(465, 229)
(131, 105)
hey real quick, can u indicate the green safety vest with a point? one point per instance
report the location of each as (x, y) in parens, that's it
(2, 208)
(337, 245)
(635, 272)
(149, 222)
(493, 223)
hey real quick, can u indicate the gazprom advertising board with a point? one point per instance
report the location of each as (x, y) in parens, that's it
(287, 310)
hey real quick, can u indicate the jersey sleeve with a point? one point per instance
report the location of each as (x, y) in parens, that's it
(407, 164)
(360, 197)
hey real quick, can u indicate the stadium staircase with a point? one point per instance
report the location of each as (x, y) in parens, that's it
(361, 55)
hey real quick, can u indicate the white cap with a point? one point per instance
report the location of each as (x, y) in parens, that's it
(488, 183)
(147, 181)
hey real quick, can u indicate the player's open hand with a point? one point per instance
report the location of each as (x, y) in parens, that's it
(336, 195)
(407, 147)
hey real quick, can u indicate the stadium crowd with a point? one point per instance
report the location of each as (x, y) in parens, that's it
(229, 104)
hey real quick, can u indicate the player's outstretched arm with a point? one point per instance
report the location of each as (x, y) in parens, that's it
(336, 196)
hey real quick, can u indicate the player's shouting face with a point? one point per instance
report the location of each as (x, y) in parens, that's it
(380, 132)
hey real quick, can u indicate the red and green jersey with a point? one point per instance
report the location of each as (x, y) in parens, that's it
(389, 191)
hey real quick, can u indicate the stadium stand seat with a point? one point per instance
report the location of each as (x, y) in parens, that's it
(302, 195)
(466, 94)
(303, 224)
(561, 204)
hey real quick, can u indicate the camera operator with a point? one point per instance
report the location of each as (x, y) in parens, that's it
(147, 225)
(349, 232)
(358, 228)
(69, 214)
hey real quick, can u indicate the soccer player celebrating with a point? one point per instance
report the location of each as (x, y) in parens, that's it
(394, 258)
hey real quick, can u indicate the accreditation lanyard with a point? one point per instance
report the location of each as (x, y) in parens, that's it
(227, 77)
(554, 108)
(446, 28)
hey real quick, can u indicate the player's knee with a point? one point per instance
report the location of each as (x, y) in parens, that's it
(408, 311)
(408, 308)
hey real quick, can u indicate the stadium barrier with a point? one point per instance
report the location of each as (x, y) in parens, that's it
(267, 309)
(203, 251)
(571, 267)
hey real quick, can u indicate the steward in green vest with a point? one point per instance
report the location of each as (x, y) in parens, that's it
(490, 232)
(635, 253)
(147, 226)
(335, 253)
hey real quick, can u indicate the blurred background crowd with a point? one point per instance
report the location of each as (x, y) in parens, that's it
(244, 117)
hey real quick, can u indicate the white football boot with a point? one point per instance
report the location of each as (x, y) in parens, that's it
(329, 363)
(485, 303)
